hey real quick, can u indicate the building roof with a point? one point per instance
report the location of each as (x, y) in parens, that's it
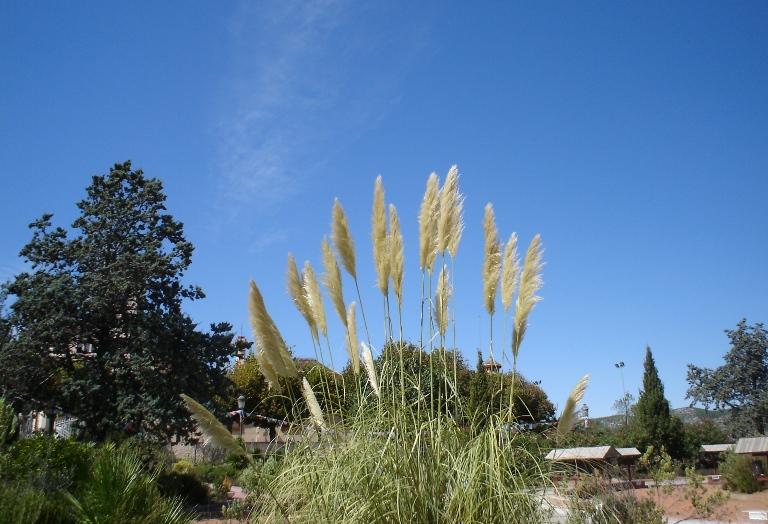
(629, 452)
(716, 448)
(591, 453)
(752, 445)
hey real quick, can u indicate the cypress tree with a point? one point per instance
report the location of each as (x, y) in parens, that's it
(654, 424)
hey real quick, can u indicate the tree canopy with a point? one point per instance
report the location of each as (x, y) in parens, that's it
(741, 383)
(96, 326)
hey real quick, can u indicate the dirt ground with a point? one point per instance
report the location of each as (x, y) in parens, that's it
(674, 504)
(676, 507)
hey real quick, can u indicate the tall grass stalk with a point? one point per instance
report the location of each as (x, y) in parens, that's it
(345, 246)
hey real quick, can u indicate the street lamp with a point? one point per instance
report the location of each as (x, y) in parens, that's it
(620, 367)
(241, 411)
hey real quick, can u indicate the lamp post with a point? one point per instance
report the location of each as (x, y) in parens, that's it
(241, 410)
(620, 367)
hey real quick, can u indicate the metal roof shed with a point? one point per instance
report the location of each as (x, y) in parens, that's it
(595, 453)
(752, 446)
(716, 448)
(627, 457)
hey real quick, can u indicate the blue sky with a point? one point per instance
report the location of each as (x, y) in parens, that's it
(633, 137)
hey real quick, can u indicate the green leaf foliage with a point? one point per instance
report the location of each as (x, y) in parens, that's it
(740, 384)
(47, 463)
(9, 424)
(96, 326)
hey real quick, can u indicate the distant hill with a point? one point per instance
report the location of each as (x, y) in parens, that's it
(687, 414)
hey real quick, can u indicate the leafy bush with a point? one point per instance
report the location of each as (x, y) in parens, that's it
(238, 461)
(183, 467)
(152, 455)
(9, 424)
(737, 473)
(183, 485)
(254, 478)
(620, 508)
(46, 463)
(216, 473)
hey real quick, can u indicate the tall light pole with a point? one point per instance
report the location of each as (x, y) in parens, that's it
(241, 411)
(620, 366)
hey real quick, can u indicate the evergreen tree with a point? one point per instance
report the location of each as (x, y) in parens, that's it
(654, 425)
(96, 325)
(480, 394)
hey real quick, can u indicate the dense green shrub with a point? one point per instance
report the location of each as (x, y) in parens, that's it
(238, 461)
(618, 508)
(256, 477)
(47, 463)
(216, 473)
(9, 424)
(737, 473)
(152, 454)
(183, 467)
(187, 486)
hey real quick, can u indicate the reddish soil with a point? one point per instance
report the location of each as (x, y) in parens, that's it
(676, 507)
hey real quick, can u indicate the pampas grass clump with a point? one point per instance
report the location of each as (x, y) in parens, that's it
(394, 456)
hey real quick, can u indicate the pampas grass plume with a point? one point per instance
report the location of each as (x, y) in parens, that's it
(342, 239)
(296, 292)
(530, 283)
(442, 296)
(352, 342)
(428, 218)
(314, 298)
(379, 237)
(267, 370)
(446, 214)
(312, 404)
(491, 259)
(370, 369)
(450, 224)
(267, 337)
(214, 431)
(510, 273)
(457, 225)
(569, 415)
(397, 257)
(332, 281)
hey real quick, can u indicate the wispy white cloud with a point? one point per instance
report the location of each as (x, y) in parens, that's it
(267, 239)
(302, 87)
